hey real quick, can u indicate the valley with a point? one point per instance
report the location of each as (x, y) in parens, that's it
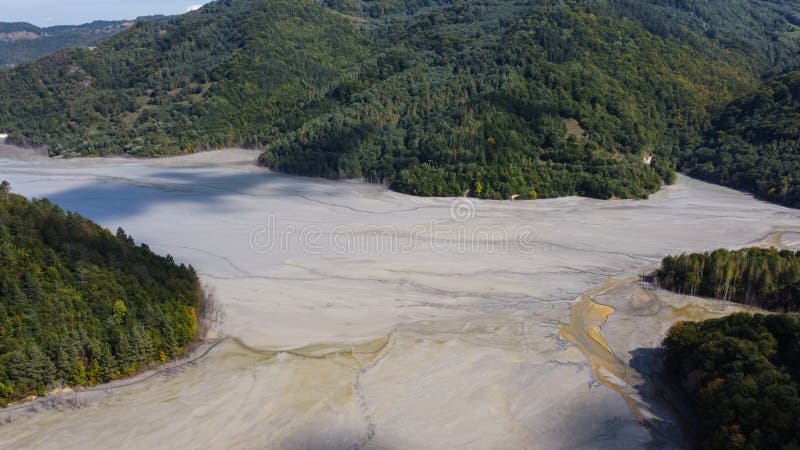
(462, 335)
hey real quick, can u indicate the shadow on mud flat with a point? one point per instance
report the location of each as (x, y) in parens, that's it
(110, 198)
(611, 431)
(673, 425)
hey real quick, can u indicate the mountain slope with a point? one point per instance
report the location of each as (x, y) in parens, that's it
(172, 86)
(755, 143)
(491, 97)
(21, 42)
(765, 32)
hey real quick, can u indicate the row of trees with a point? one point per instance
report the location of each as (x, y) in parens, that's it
(80, 305)
(766, 278)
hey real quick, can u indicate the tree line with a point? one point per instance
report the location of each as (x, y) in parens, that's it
(766, 278)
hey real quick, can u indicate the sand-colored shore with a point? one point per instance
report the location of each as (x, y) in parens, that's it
(340, 343)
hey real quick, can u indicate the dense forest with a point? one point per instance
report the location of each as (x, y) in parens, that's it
(754, 144)
(493, 98)
(80, 305)
(741, 375)
(766, 278)
(21, 42)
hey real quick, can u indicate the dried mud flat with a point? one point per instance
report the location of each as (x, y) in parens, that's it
(339, 343)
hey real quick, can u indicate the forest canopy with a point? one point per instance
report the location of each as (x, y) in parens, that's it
(740, 374)
(80, 305)
(492, 98)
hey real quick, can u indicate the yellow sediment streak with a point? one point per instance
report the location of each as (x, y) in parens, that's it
(362, 353)
(583, 331)
(774, 240)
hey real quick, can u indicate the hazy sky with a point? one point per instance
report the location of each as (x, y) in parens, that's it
(69, 12)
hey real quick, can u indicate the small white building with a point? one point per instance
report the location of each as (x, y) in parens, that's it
(3, 137)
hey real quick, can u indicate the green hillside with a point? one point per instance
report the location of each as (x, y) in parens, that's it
(81, 306)
(491, 97)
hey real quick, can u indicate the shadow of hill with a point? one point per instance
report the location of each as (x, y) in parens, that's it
(675, 426)
(111, 198)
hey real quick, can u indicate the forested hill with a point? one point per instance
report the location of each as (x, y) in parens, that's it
(755, 143)
(21, 42)
(495, 98)
(81, 306)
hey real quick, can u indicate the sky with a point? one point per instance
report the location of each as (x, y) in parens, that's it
(71, 12)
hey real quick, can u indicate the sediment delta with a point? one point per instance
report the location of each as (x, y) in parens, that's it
(359, 317)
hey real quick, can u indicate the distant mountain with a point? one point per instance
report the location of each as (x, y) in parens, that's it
(495, 98)
(21, 42)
